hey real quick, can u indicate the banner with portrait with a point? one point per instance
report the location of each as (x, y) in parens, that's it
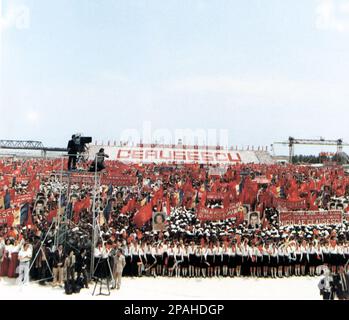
(159, 221)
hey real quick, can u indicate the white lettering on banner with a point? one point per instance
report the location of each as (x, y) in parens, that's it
(330, 217)
(175, 155)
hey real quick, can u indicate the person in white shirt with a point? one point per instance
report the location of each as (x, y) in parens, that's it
(180, 259)
(148, 258)
(210, 260)
(333, 258)
(25, 254)
(171, 260)
(274, 259)
(159, 259)
(197, 261)
(312, 259)
(153, 261)
(266, 260)
(218, 258)
(298, 252)
(259, 255)
(225, 261)
(203, 261)
(252, 253)
(246, 262)
(185, 263)
(192, 260)
(239, 259)
(232, 260)
(165, 249)
(141, 260)
(304, 257)
(281, 262)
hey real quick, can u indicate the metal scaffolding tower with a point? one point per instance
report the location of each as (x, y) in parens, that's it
(62, 229)
(312, 142)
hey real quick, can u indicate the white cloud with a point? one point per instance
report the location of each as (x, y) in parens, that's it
(15, 16)
(332, 15)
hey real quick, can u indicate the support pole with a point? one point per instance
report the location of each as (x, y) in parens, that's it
(59, 204)
(339, 146)
(291, 149)
(93, 240)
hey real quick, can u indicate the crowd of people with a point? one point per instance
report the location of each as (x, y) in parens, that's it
(60, 212)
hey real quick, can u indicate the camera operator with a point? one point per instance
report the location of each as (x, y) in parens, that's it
(100, 155)
(72, 152)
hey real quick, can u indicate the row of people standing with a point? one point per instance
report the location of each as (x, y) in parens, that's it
(15, 259)
(232, 260)
(9, 250)
(20, 259)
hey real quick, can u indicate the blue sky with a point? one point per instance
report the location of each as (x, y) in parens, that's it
(264, 70)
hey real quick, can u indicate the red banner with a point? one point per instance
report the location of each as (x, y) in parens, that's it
(289, 205)
(23, 178)
(122, 181)
(262, 180)
(310, 217)
(117, 180)
(215, 195)
(7, 217)
(205, 214)
(23, 198)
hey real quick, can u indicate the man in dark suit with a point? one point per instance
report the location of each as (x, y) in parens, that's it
(81, 267)
(72, 152)
(341, 284)
(58, 264)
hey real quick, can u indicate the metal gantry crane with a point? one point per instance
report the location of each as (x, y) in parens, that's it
(28, 145)
(312, 142)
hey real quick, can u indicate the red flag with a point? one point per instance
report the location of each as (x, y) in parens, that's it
(52, 214)
(249, 191)
(86, 202)
(129, 206)
(80, 205)
(30, 218)
(157, 196)
(293, 191)
(203, 199)
(144, 214)
(34, 186)
(168, 207)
